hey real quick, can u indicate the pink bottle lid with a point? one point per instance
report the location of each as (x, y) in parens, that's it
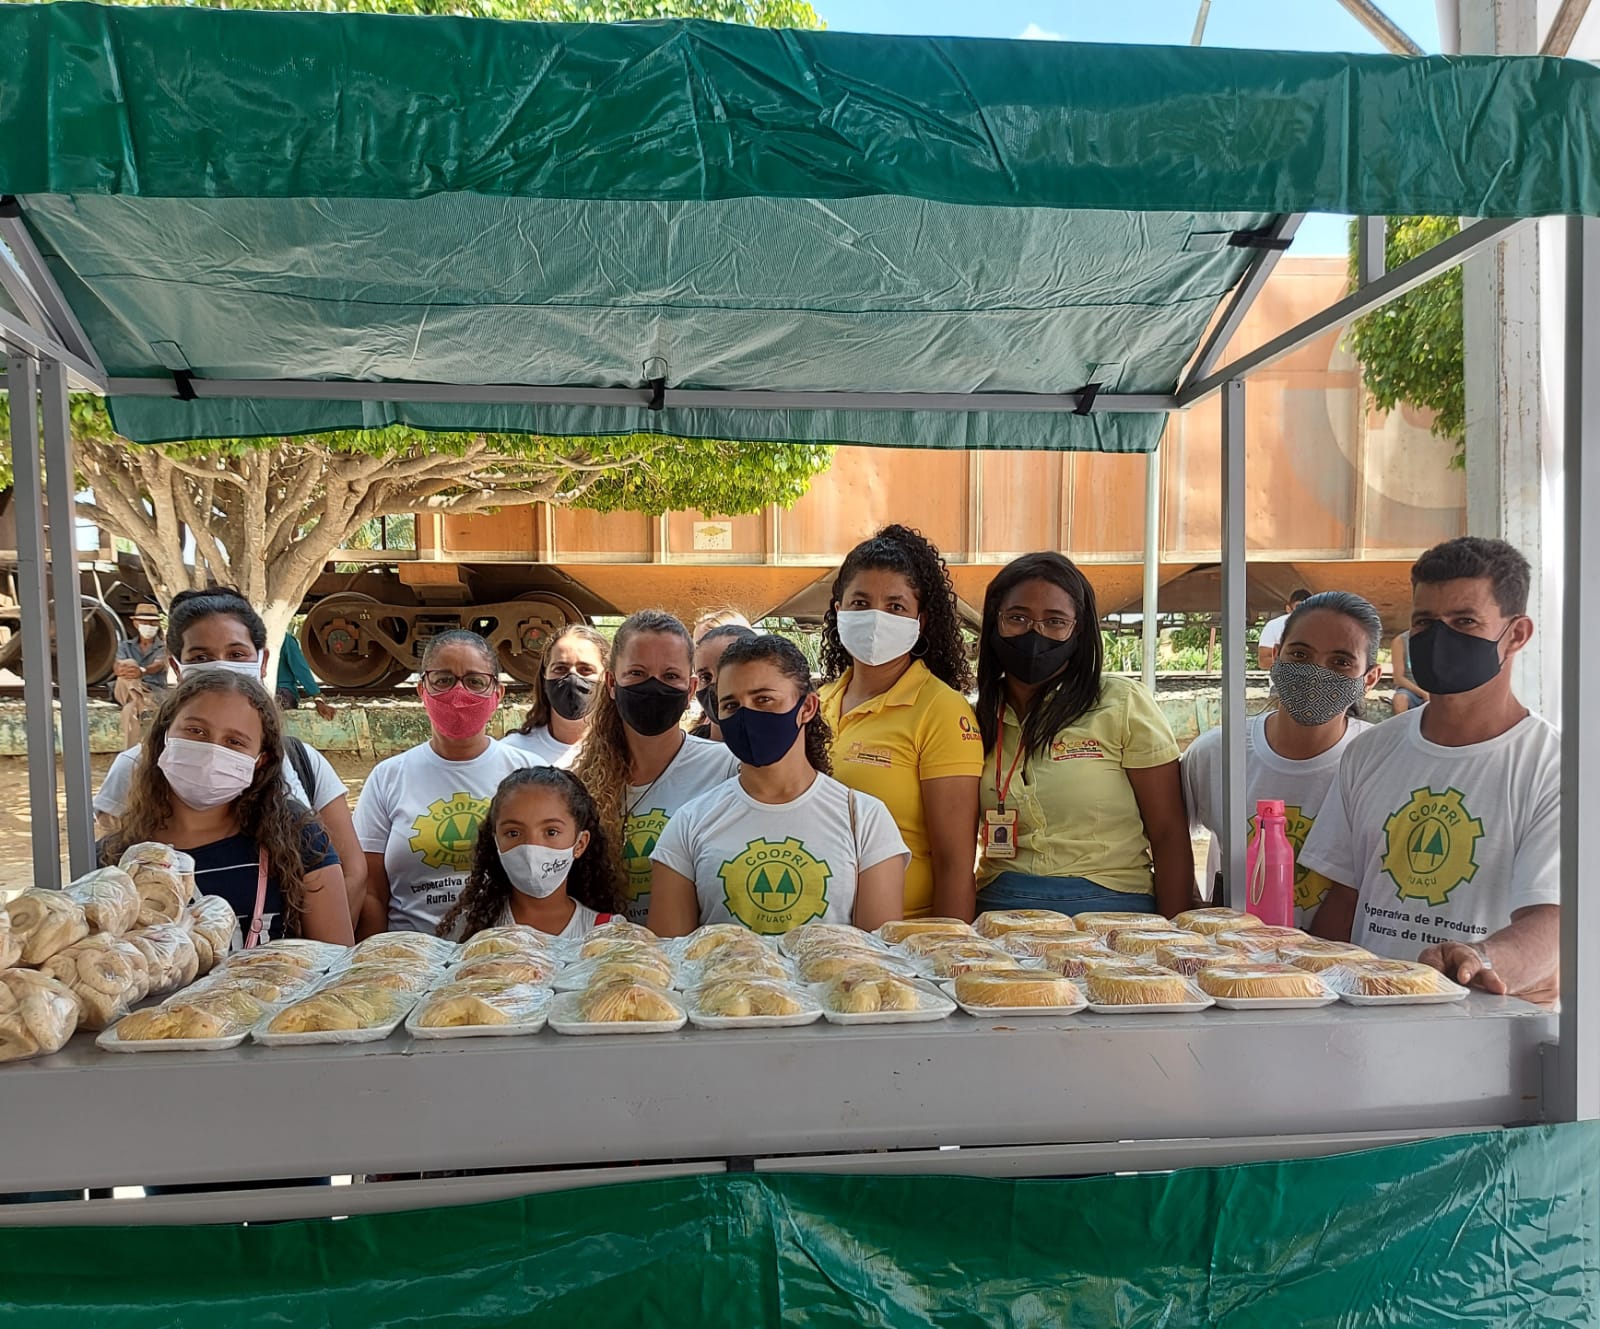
(1269, 807)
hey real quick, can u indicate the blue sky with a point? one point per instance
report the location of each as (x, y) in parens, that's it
(1282, 25)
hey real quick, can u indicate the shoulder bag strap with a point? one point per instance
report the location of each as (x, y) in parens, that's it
(301, 761)
(253, 933)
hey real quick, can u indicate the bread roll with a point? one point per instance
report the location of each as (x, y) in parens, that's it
(713, 937)
(1255, 981)
(739, 998)
(10, 943)
(737, 962)
(618, 932)
(349, 1007)
(253, 983)
(514, 940)
(164, 877)
(1042, 944)
(1317, 953)
(974, 957)
(1137, 985)
(1216, 919)
(1075, 962)
(1387, 978)
(44, 923)
(1259, 940)
(392, 979)
(810, 936)
(239, 1009)
(1109, 921)
(998, 923)
(823, 966)
(37, 1014)
(1016, 987)
(317, 956)
(212, 917)
(414, 946)
(909, 927)
(212, 1015)
(464, 1005)
(530, 970)
(268, 961)
(865, 994)
(651, 969)
(624, 1002)
(169, 950)
(1190, 957)
(1144, 941)
(109, 898)
(103, 973)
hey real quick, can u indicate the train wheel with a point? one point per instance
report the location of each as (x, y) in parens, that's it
(341, 638)
(534, 626)
(102, 633)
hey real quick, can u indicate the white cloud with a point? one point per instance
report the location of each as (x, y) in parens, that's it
(1034, 33)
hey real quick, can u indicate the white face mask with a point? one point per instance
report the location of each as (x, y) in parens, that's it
(874, 637)
(537, 869)
(147, 631)
(205, 775)
(244, 668)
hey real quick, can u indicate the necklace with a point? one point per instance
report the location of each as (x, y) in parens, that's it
(638, 802)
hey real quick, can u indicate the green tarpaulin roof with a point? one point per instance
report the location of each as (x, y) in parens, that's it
(280, 196)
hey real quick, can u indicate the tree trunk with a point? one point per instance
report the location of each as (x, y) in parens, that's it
(277, 613)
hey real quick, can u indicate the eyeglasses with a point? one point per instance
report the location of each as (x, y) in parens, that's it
(1013, 623)
(442, 680)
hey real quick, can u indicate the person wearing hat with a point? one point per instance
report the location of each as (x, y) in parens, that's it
(140, 684)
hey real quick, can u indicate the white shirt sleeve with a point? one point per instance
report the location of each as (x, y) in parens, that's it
(329, 787)
(112, 800)
(878, 839)
(675, 847)
(1196, 770)
(373, 813)
(1330, 848)
(1536, 866)
(1272, 633)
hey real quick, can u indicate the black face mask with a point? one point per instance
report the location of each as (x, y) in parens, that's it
(707, 697)
(571, 696)
(1032, 657)
(651, 707)
(1447, 662)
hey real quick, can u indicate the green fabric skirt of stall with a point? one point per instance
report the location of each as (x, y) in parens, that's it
(1484, 1230)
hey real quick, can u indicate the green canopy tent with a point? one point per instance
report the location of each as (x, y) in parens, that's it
(239, 223)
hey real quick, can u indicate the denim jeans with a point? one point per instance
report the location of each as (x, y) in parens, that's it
(1065, 895)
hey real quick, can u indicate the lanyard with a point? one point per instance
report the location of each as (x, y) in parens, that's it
(999, 758)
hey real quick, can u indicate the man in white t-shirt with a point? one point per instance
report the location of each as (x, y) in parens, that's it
(1272, 634)
(1441, 834)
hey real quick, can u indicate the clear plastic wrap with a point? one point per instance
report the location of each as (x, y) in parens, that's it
(1261, 940)
(403, 946)
(706, 941)
(212, 917)
(1017, 992)
(1318, 953)
(617, 1008)
(1380, 982)
(736, 962)
(110, 900)
(972, 957)
(513, 940)
(1252, 985)
(37, 1014)
(824, 964)
(637, 964)
(273, 986)
(617, 934)
(106, 976)
(900, 929)
(1106, 922)
(751, 1003)
(477, 1008)
(864, 999)
(1190, 957)
(165, 878)
(1214, 919)
(44, 923)
(318, 956)
(415, 979)
(191, 1021)
(339, 1013)
(810, 936)
(1141, 987)
(169, 950)
(998, 923)
(10, 943)
(1145, 941)
(537, 970)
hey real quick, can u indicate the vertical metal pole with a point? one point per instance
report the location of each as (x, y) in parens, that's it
(1578, 1083)
(1152, 561)
(71, 677)
(1234, 813)
(22, 382)
(1372, 260)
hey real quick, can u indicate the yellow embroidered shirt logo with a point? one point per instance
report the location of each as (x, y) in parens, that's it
(771, 888)
(444, 835)
(1430, 846)
(644, 829)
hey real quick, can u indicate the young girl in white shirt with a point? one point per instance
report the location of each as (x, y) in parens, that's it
(782, 843)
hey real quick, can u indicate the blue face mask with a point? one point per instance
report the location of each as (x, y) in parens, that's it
(761, 738)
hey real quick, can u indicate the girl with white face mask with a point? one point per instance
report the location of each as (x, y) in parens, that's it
(903, 731)
(541, 860)
(210, 782)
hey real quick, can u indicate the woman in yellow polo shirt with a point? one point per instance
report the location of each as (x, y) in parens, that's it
(1082, 804)
(902, 730)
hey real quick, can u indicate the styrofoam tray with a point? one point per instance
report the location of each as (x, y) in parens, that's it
(1275, 1003)
(811, 1013)
(935, 1005)
(1406, 999)
(531, 1025)
(563, 1019)
(373, 1035)
(108, 1042)
(1011, 1012)
(1163, 1008)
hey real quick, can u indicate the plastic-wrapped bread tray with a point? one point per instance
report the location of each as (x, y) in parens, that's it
(811, 1013)
(1199, 1002)
(374, 1034)
(532, 1024)
(109, 1042)
(1014, 1012)
(932, 1004)
(565, 1018)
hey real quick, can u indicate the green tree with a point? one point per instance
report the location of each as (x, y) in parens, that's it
(266, 515)
(1412, 350)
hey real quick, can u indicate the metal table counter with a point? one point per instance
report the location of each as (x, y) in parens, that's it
(1042, 1095)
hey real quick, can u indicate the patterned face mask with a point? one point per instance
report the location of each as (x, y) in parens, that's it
(1313, 695)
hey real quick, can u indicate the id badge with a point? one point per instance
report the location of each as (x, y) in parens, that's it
(1000, 834)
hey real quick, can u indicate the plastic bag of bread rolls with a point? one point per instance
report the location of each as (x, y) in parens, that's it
(37, 1014)
(169, 949)
(105, 975)
(109, 898)
(165, 878)
(212, 925)
(10, 944)
(44, 922)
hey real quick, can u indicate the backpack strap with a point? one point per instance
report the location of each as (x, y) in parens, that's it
(300, 759)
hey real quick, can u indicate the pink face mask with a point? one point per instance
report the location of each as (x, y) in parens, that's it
(458, 714)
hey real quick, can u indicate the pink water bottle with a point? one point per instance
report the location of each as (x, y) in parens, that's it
(1270, 867)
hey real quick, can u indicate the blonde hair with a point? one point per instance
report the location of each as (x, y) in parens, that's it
(717, 618)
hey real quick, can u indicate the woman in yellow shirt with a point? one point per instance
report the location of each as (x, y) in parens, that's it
(903, 731)
(1082, 804)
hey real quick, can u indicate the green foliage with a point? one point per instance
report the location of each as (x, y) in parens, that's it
(1412, 350)
(762, 13)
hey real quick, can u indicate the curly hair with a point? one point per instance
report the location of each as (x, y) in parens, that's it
(595, 879)
(605, 764)
(265, 811)
(911, 554)
(787, 658)
(539, 712)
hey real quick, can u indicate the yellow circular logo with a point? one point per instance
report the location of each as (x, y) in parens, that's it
(1430, 846)
(771, 888)
(644, 829)
(444, 835)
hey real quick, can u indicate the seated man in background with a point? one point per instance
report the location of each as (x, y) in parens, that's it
(140, 684)
(1441, 833)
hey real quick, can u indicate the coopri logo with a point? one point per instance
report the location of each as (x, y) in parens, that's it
(444, 835)
(1430, 846)
(644, 829)
(771, 888)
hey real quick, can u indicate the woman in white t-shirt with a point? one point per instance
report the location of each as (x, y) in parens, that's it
(542, 861)
(783, 843)
(419, 812)
(559, 719)
(637, 763)
(1326, 661)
